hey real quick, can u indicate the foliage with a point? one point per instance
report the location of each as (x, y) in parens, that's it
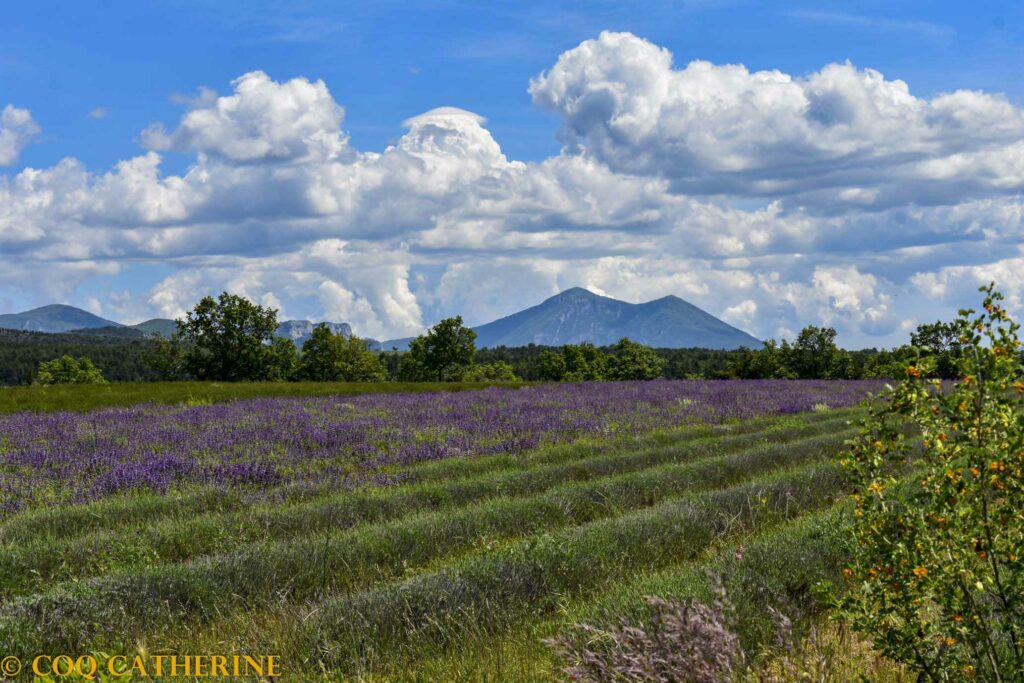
(551, 366)
(890, 364)
(444, 353)
(533, 362)
(943, 341)
(632, 361)
(167, 358)
(282, 360)
(119, 359)
(574, 363)
(498, 371)
(938, 579)
(329, 357)
(230, 339)
(68, 370)
(814, 355)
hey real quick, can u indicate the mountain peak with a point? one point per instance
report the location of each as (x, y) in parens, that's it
(574, 292)
(579, 315)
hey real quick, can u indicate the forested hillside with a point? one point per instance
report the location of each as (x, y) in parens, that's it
(120, 359)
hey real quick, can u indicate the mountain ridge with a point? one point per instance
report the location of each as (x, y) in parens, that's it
(572, 316)
(578, 315)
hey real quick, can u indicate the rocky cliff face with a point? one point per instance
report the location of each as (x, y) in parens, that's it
(300, 330)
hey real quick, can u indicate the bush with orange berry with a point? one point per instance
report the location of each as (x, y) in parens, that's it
(937, 580)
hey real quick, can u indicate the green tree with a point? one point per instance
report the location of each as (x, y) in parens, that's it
(941, 340)
(551, 366)
(890, 364)
(815, 355)
(167, 358)
(229, 339)
(769, 362)
(498, 371)
(584, 363)
(444, 353)
(69, 370)
(937, 578)
(282, 360)
(329, 357)
(632, 361)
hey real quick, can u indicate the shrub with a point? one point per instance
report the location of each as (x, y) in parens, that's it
(68, 370)
(937, 580)
(498, 371)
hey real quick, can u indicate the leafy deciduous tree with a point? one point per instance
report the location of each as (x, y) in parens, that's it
(329, 357)
(632, 361)
(230, 339)
(444, 353)
(69, 370)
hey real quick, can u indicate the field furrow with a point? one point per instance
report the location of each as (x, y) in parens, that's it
(354, 544)
(26, 566)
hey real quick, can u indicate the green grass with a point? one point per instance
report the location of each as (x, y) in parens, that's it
(455, 573)
(90, 397)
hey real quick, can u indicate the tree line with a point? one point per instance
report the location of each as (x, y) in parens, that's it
(230, 338)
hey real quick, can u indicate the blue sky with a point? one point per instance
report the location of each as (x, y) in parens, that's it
(632, 213)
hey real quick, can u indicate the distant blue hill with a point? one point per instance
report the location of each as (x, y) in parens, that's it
(578, 315)
(157, 326)
(54, 318)
(62, 318)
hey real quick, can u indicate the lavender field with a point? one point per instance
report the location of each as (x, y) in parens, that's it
(362, 535)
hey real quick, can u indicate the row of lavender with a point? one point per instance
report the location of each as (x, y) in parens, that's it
(73, 457)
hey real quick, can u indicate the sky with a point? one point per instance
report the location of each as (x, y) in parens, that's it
(857, 164)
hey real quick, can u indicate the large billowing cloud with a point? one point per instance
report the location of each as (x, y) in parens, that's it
(772, 200)
(839, 135)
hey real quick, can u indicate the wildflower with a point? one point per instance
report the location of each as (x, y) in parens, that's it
(951, 641)
(912, 371)
(920, 571)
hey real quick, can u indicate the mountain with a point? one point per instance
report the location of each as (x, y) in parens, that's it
(578, 315)
(157, 326)
(301, 330)
(54, 318)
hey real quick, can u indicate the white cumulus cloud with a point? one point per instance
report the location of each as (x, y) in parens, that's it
(17, 129)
